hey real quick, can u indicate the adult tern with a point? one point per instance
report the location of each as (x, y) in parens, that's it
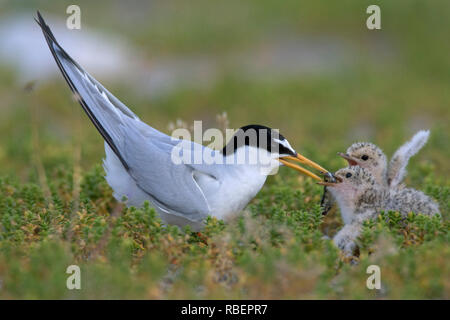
(139, 161)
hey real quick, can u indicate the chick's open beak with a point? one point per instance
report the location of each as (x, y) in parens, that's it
(303, 160)
(351, 161)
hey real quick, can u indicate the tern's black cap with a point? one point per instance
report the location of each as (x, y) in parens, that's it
(258, 136)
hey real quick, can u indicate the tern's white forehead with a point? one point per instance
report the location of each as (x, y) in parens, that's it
(285, 144)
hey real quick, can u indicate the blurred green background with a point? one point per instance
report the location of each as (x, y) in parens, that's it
(310, 68)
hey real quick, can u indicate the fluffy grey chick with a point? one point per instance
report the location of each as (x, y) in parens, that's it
(372, 158)
(369, 156)
(360, 197)
(366, 155)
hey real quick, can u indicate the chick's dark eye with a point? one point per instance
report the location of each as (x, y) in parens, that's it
(348, 175)
(365, 157)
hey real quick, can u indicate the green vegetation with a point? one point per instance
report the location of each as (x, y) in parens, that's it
(274, 250)
(56, 209)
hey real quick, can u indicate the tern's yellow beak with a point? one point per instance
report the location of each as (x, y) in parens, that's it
(303, 160)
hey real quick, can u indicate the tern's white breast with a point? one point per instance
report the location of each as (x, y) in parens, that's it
(236, 187)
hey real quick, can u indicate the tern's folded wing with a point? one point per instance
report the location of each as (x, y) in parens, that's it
(171, 183)
(143, 151)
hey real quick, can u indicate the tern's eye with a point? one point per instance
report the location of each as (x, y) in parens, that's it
(365, 157)
(348, 175)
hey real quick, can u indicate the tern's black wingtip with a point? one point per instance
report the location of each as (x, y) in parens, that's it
(39, 17)
(45, 28)
(40, 21)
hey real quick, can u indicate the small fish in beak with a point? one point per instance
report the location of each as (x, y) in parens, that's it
(330, 180)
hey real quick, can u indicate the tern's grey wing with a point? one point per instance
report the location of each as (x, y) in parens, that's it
(143, 151)
(400, 159)
(104, 110)
(171, 184)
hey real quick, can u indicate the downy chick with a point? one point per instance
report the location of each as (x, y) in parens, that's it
(360, 197)
(372, 158)
(366, 155)
(369, 156)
